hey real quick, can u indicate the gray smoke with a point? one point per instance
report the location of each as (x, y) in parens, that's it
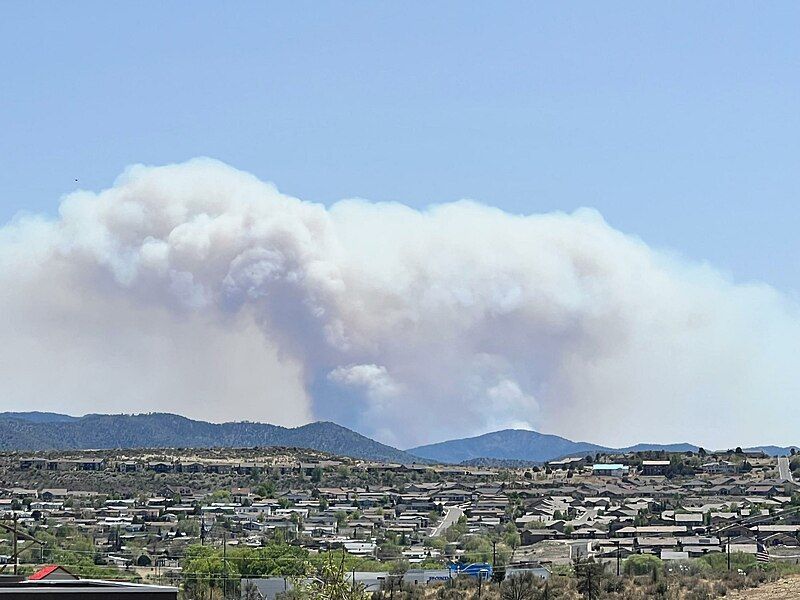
(197, 288)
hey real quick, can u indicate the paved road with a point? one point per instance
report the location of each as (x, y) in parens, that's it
(784, 472)
(451, 515)
(589, 514)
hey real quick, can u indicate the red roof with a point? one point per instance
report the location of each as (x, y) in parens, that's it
(45, 571)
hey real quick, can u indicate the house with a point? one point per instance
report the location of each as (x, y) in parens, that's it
(755, 453)
(191, 467)
(53, 573)
(453, 496)
(652, 530)
(360, 548)
(220, 468)
(533, 568)
(674, 555)
(609, 470)
(654, 467)
(53, 494)
(718, 467)
(32, 463)
(61, 465)
(534, 536)
(763, 490)
(781, 539)
(689, 519)
(77, 589)
(564, 464)
(251, 468)
(160, 467)
(92, 464)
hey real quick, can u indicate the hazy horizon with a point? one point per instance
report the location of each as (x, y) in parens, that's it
(403, 447)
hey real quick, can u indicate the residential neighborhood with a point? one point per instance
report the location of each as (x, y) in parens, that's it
(155, 516)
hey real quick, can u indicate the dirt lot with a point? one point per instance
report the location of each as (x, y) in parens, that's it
(784, 589)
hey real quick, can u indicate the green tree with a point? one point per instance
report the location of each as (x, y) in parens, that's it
(205, 571)
(250, 591)
(511, 536)
(718, 561)
(316, 475)
(341, 518)
(589, 578)
(265, 490)
(642, 564)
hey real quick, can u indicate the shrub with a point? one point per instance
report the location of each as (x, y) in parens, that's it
(718, 561)
(643, 564)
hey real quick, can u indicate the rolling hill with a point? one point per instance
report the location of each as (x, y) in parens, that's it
(509, 447)
(36, 416)
(508, 444)
(521, 444)
(31, 431)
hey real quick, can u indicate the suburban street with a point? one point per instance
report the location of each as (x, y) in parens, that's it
(452, 515)
(587, 517)
(784, 472)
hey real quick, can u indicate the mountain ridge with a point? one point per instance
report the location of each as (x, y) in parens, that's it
(506, 444)
(53, 431)
(21, 431)
(36, 416)
(532, 446)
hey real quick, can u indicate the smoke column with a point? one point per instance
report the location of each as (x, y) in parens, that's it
(196, 288)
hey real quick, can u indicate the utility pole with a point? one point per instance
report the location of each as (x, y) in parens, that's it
(224, 564)
(618, 557)
(729, 552)
(14, 534)
(494, 553)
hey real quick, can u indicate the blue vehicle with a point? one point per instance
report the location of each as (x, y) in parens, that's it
(477, 570)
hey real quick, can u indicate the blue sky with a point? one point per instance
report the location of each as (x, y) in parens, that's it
(680, 122)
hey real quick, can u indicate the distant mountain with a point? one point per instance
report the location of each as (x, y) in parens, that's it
(666, 447)
(498, 463)
(507, 448)
(39, 417)
(523, 445)
(48, 431)
(508, 444)
(776, 450)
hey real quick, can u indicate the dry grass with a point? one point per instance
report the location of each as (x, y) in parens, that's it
(787, 588)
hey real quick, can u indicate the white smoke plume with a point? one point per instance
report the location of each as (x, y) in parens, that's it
(198, 289)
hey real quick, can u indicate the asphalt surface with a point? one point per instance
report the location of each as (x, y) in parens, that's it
(589, 515)
(452, 515)
(784, 472)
